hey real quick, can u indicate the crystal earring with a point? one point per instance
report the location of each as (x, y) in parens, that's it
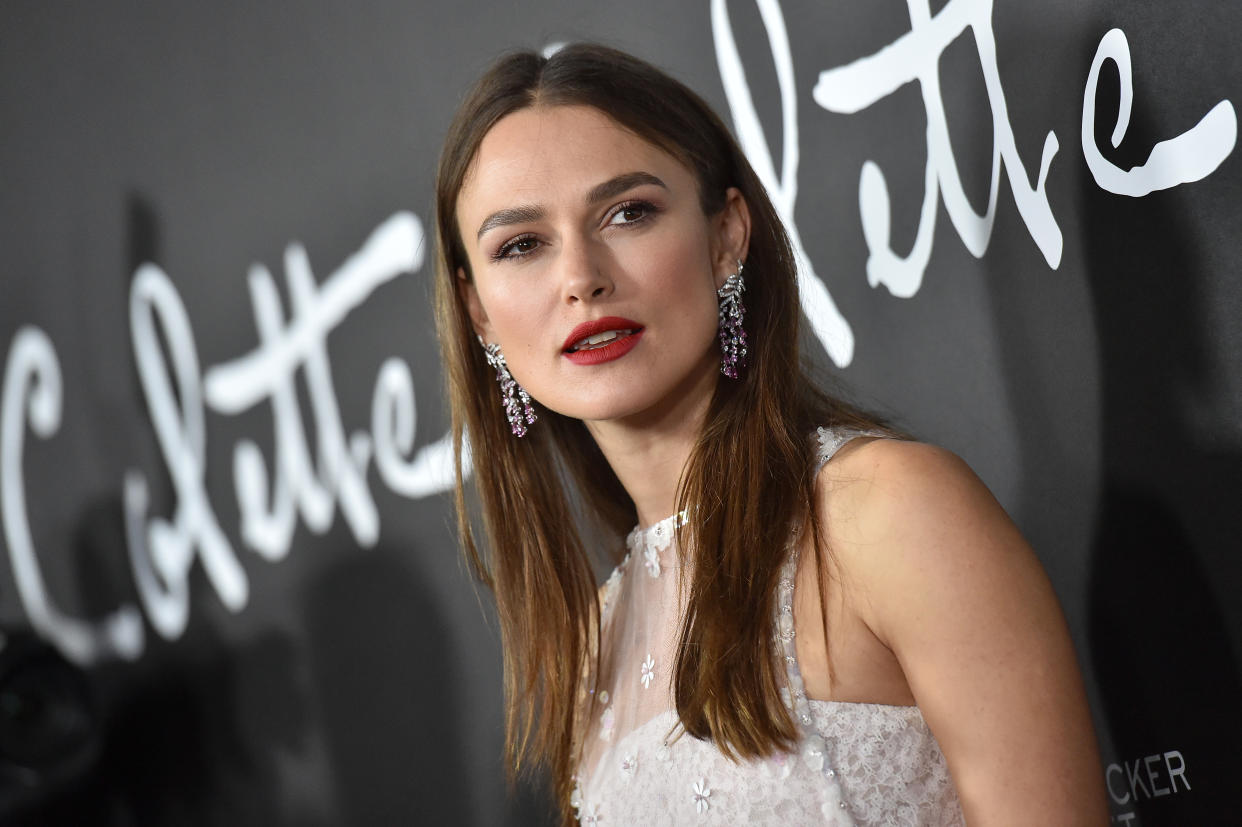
(513, 396)
(732, 335)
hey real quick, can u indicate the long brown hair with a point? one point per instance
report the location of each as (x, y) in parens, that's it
(749, 476)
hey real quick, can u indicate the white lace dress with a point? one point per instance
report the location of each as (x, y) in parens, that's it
(855, 764)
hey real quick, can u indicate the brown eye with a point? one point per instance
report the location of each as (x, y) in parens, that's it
(518, 247)
(631, 213)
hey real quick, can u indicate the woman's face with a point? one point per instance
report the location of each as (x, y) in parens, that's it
(594, 267)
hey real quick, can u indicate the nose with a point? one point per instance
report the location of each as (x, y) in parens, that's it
(584, 272)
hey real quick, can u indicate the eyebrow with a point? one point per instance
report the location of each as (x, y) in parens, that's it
(626, 181)
(512, 215)
(600, 192)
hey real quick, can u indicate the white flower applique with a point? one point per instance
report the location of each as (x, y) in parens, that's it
(702, 792)
(590, 815)
(664, 752)
(651, 557)
(629, 766)
(648, 672)
(575, 797)
(606, 721)
(656, 539)
(662, 533)
(610, 586)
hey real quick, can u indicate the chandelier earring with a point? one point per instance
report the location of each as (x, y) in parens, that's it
(513, 396)
(732, 334)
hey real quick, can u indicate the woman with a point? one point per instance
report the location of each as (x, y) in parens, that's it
(608, 257)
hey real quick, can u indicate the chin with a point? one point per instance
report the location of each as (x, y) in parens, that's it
(644, 392)
(603, 412)
(646, 407)
(614, 403)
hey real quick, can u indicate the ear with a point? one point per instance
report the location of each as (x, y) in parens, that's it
(469, 294)
(731, 239)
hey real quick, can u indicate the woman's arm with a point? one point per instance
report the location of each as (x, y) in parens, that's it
(944, 579)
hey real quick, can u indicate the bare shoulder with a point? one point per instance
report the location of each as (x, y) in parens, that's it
(912, 529)
(893, 491)
(892, 469)
(930, 562)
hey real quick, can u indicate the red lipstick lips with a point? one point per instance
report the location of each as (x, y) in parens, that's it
(579, 350)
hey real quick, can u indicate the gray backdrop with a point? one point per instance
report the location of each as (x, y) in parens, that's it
(221, 475)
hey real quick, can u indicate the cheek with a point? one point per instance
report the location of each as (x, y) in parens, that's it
(683, 278)
(515, 309)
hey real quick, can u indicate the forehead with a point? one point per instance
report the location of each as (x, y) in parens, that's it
(542, 153)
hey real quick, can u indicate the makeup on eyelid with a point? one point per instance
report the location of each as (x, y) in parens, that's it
(648, 209)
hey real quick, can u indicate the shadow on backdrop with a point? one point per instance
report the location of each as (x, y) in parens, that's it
(385, 681)
(1161, 645)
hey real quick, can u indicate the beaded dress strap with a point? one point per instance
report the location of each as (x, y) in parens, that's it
(832, 440)
(812, 747)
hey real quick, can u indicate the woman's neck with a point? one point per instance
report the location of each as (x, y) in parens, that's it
(648, 451)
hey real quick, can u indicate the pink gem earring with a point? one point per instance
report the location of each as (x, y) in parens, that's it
(732, 335)
(513, 396)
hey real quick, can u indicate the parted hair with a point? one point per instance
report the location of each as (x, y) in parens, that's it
(749, 479)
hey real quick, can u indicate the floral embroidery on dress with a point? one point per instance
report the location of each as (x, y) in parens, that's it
(664, 752)
(662, 533)
(813, 747)
(785, 626)
(610, 585)
(850, 764)
(606, 721)
(654, 540)
(651, 558)
(778, 766)
(830, 441)
(701, 793)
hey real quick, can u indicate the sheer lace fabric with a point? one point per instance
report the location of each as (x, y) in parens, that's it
(855, 764)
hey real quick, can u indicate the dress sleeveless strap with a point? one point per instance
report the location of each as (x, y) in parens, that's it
(832, 440)
(813, 749)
